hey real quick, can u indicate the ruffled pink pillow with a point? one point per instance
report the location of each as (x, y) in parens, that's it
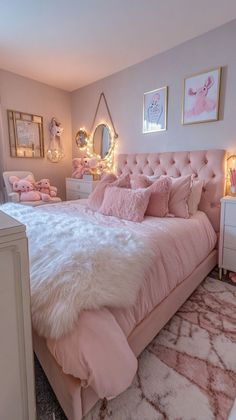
(160, 192)
(125, 203)
(96, 197)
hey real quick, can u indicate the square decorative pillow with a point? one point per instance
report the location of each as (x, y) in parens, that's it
(160, 192)
(125, 203)
(195, 195)
(179, 194)
(96, 197)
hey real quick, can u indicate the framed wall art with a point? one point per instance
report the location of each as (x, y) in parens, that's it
(155, 110)
(201, 97)
(25, 134)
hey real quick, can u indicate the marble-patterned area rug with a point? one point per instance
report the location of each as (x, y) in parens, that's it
(188, 372)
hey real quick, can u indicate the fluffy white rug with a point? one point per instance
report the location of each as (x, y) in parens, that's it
(188, 372)
(77, 265)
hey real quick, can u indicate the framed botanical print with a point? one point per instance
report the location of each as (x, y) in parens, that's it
(201, 97)
(155, 110)
(25, 134)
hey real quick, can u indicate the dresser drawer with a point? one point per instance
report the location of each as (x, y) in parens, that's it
(81, 186)
(75, 195)
(230, 237)
(230, 214)
(229, 259)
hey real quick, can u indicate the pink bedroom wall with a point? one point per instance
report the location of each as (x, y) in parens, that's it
(22, 94)
(124, 92)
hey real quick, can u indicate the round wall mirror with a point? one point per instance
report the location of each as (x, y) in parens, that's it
(101, 140)
(81, 138)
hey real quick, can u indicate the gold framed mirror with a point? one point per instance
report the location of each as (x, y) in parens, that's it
(25, 134)
(101, 141)
(81, 138)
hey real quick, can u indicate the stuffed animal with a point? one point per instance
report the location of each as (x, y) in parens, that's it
(25, 187)
(101, 167)
(90, 165)
(44, 187)
(77, 167)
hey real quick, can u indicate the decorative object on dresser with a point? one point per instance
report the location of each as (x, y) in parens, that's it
(201, 97)
(155, 110)
(22, 187)
(79, 188)
(85, 168)
(17, 399)
(55, 151)
(25, 135)
(227, 243)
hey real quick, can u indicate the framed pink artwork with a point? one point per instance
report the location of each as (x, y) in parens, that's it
(201, 97)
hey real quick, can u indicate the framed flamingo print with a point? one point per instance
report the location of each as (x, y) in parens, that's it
(201, 97)
(155, 110)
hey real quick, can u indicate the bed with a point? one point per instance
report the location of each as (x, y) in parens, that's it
(188, 244)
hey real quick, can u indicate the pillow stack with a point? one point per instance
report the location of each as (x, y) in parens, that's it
(158, 197)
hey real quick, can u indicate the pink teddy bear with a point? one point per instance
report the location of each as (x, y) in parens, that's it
(25, 188)
(44, 187)
(77, 168)
(201, 103)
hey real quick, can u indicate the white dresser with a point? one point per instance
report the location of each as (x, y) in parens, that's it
(79, 188)
(17, 389)
(227, 242)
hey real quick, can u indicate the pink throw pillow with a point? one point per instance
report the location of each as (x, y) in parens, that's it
(96, 197)
(140, 181)
(195, 196)
(159, 199)
(179, 194)
(160, 192)
(125, 203)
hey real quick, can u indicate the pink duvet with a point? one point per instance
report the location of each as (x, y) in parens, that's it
(97, 350)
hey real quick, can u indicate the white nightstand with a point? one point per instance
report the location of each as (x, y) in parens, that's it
(79, 188)
(227, 242)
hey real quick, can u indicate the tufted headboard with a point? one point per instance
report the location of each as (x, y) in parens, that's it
(207, 165)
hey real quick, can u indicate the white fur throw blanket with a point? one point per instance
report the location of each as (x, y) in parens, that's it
(76, 265)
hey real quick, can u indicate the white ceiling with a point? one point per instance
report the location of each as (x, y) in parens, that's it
(71, 43)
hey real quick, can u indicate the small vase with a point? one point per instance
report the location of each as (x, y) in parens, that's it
(233, 189)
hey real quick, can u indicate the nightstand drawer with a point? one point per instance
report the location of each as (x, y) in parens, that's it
(230, 214)
(230, 237)
(229, 259)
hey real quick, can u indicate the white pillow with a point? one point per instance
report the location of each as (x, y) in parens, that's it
(195, 196)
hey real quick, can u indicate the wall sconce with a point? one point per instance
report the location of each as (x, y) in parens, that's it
(55, 152)
(231, 173)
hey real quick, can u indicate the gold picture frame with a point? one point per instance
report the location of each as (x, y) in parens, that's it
(201, 97)
(25, 134)
(155, 110)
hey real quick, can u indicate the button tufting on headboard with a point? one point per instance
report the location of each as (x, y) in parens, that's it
(208, 165)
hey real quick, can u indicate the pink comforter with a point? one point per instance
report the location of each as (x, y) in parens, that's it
(97, 350)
